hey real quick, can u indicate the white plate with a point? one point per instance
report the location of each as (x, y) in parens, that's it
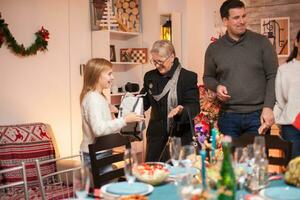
(104, 190)
(281, 193)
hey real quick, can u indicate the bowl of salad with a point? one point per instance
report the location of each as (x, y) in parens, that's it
(153, 173)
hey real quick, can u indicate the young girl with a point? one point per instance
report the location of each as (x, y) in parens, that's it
(96, 112)
(287, 90)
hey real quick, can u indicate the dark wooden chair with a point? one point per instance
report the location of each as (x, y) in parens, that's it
(108, 142)
(277, 143)
(273, 142)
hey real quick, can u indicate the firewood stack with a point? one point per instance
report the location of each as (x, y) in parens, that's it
(127, 15)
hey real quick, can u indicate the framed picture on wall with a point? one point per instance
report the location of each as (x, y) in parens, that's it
(112, 53)
(278, 32)
(136, 55)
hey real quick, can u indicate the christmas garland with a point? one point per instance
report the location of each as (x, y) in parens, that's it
(40, 43)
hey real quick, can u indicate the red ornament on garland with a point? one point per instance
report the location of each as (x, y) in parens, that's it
(44, 33)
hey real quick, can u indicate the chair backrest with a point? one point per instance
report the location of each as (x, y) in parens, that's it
(273, 142)
(277, 143)
(58, 184)
(11, 189)
(107, 142)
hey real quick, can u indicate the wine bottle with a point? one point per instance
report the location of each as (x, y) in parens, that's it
(227, 183)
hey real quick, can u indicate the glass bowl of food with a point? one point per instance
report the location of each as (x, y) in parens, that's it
(153, 173)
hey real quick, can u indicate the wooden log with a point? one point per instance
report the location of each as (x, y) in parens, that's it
(137, 21)
(125, 16)
(135, 11)
(125, 5)
(132, 4)
(122, 27)
(130, 24)
(120, 10)
(132, 18)
(118, 4)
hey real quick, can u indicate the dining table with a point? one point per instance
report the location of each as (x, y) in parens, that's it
(168, 191)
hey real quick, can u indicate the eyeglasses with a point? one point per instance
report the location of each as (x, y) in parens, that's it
(158, 62)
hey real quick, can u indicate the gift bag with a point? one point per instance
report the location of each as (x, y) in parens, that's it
(131, 103)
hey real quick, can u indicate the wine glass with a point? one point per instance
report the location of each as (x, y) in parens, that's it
(81, 182)
(174, 148)
(130, 162)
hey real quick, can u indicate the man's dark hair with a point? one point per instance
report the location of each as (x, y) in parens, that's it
(229, 4)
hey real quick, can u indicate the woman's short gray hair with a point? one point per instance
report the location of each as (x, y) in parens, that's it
(163, 48)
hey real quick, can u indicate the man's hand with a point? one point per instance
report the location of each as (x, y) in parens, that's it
(266, 120)
(175, 111)
(263, 129)
(222, 93)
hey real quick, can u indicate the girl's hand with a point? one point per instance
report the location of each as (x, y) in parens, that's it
(113, 109)
(133, 117)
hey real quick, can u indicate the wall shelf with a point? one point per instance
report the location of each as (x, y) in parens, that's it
(125, 63)
(122, 93)
(123, 71)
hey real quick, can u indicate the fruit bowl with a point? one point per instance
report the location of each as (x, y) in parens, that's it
(152, 173)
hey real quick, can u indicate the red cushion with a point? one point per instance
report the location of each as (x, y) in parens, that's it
(25, 143)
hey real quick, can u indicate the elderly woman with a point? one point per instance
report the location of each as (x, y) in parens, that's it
(172, 93)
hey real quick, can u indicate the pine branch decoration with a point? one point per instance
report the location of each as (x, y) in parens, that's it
(40, 43)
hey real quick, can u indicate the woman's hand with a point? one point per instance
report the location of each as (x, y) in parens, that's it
(175, 111)
(133, 117)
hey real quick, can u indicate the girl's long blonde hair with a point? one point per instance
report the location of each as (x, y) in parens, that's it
(92, 71)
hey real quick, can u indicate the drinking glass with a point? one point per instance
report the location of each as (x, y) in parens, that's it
(250, 155)
(174, 148)
(185, 187)
(130, 162)
(81, 182)
(240, 163)
(259, 145)
(187, 156)
(240, 155)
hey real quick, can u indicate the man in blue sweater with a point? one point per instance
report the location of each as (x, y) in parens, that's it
(241, 68)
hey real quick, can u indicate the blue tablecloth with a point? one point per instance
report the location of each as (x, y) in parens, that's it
(169, 191)
(166, 191)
